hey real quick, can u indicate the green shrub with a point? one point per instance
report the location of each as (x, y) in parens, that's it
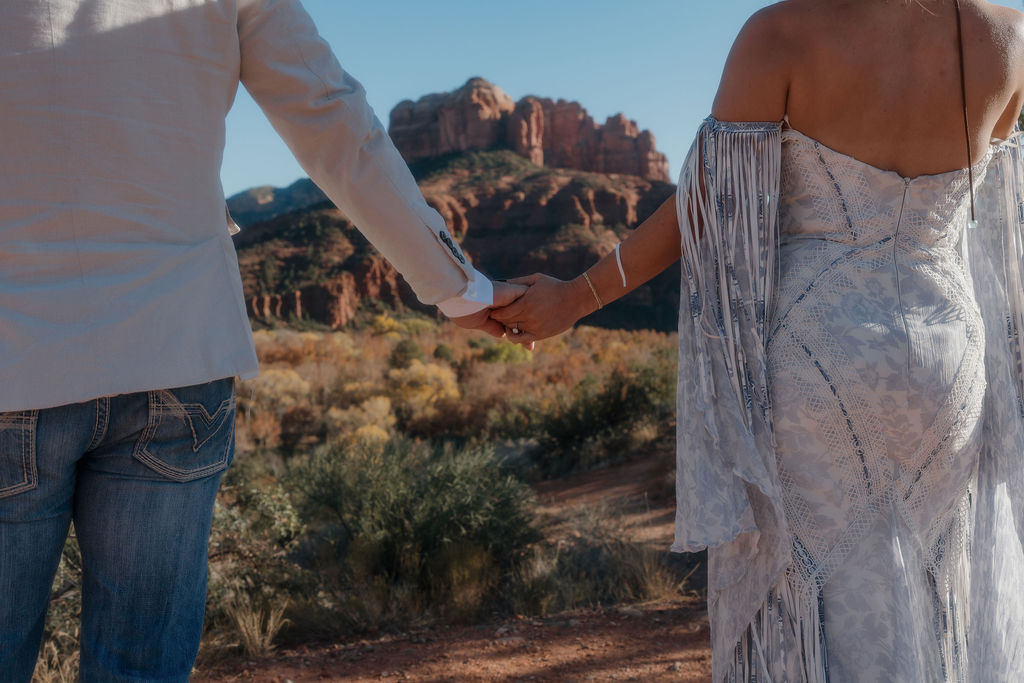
(505, 352)
(405, 352)
(599, 423)
(402, 522)
(445, 353)
(252, 575)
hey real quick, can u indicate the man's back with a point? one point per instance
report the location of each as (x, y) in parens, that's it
(117, 271)
(113, 119)
(115, 255)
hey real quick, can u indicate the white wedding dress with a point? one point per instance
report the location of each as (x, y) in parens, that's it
(857, 394)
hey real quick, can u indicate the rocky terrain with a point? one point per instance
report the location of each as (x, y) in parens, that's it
(528, 186)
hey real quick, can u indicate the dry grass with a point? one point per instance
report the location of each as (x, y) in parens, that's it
(58, 661)
(257, 627)
(598, 564)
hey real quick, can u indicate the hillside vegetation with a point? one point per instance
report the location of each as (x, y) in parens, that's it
(383, 480)
(302, 260)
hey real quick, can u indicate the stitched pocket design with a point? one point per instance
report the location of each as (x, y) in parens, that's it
(18, 452)
(190, 431)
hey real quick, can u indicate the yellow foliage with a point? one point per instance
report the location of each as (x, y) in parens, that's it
(265, 429)
(276, 389)
(371, 434)
(371, 417)
(611, 353)
(417, 389)
(291, 347)
(359, 391)
(383, 324)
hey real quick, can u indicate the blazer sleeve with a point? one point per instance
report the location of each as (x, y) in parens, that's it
(322, 114)
(994, 254)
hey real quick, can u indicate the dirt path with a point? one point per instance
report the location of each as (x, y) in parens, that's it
(653, 642)
(666, 642)
(639, 491)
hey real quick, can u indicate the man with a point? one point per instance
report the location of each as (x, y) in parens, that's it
(122, 321)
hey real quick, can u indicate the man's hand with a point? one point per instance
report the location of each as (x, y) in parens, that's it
(504, 294)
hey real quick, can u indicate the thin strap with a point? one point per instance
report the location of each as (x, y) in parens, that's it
(963, 95)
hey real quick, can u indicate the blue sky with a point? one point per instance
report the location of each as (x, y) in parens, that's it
(657, 61)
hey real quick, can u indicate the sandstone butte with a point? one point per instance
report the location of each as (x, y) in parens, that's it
(556, 133)
(548, 190)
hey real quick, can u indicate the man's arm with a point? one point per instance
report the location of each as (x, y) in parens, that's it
(322, 114)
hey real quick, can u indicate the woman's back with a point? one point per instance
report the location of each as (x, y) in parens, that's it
(875, 350)
(880, 81)
(876, 369)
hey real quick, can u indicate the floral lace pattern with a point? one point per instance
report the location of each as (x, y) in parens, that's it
(876, 360)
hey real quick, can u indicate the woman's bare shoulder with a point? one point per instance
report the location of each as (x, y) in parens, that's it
(756, 75)
(1003, 28)
(1002, 41)
(1009, 18)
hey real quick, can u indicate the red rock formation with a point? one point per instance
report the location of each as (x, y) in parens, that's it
(572, 136)
(378, 280)
(547, 132)
(472, 117)
(333, 303)
(526, 130)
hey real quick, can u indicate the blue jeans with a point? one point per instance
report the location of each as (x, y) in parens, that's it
(138, 474)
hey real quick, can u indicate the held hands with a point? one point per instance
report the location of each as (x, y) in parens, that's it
(504, 294)
(548, 307)
(532, 308)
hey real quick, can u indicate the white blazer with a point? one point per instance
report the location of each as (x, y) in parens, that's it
(117, 271)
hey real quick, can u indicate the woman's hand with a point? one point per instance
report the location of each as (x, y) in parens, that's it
(548, 307)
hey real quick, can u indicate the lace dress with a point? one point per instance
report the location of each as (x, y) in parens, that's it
(869, 447)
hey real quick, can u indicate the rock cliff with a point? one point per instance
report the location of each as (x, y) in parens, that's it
(555, 133)
(511, 216)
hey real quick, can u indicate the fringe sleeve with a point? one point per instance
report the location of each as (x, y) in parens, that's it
(727, 489)
(995, 257)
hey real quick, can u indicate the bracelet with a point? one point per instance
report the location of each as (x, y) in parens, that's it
(594, 291)
(618, 262)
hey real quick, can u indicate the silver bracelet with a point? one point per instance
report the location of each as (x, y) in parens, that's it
(618, 261)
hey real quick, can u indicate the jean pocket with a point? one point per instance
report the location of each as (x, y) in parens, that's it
(190, 432)
(18, 452)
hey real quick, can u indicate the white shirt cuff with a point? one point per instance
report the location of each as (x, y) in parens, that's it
(478, 295)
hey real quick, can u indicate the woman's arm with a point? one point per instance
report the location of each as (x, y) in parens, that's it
(753, 88)
(551, 305)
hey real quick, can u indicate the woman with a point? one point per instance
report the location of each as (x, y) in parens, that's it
(850, 432)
